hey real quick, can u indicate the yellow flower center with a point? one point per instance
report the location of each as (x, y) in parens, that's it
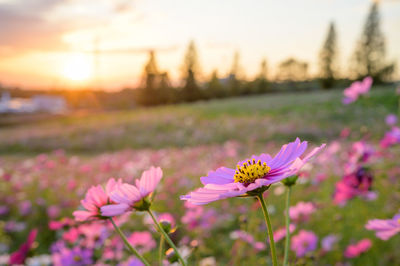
(250, 171)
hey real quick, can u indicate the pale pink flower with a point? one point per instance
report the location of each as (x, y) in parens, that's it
(385, 229)
(95, 198)
(301, 211)
(356, 89)
(143, 241)
(127, 196)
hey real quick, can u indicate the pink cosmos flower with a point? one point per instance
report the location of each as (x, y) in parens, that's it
(356, 89)
(256, 172)
(304, 242)
(126, 196)
(301, 211)
(19, 256)
(95, 198)
(281, 232)
(385, 229)
(143, 241)
(353, 251)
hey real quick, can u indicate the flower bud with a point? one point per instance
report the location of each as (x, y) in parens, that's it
(171, 255)
(290, 181)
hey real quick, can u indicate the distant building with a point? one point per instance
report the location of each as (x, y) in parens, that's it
(38, 103)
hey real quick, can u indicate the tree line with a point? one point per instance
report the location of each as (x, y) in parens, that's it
(368, 59)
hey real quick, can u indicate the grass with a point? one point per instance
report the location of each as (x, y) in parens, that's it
(318, 116)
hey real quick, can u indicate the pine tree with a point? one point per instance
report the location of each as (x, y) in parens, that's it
(147, 94)
(151, 72)
(191, 68)
(327, 59)
(369, 56)
(214, 86)
(261, 81)
(234, 76)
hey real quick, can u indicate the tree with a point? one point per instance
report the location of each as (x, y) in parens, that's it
(369, 56)
(214, 87)
(292, 70)
(151, 72)
(191, 68)
(327, 59)
(155, 86)
(234, 83)
(261, 82)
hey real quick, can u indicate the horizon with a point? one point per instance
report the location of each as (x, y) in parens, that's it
(58, 52)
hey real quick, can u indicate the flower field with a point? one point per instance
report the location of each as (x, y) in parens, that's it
(47, 168)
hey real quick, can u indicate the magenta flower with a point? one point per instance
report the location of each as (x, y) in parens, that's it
(301, 211)
(353, 251)
(128, 197)
(304, 242)
(352, 185)
(391, 138)
(254, 173)
(385, 229)
(356, 89)
(19, 256)
(95, 198)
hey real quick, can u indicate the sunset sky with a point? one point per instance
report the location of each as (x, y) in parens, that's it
(49, 43)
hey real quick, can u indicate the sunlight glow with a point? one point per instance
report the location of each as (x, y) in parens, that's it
(78, 68)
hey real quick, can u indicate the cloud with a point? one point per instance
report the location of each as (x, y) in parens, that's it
(23, 25)
(41, 24)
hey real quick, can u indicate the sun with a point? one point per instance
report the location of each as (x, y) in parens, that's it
(78, 68)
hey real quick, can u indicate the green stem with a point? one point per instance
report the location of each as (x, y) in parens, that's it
(161, 251)
(287, 241)
(166, 237)
(270, 233)
(128, 245)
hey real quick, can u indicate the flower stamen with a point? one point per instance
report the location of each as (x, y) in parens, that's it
(250, 171)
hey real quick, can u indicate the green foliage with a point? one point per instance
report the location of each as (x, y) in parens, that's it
(252, 119)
